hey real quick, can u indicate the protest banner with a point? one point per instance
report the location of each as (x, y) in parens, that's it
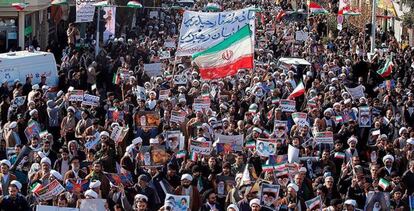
(54, 208)
(85, 10)
(147, 119)
(269, 194)
(19, 101)
(300, 118)
(266, 147)
(153, 69)
(293, 154)
(199, 147)
(174, 140)
(287, 105)
(325, 137)
(92, 204)
(200, 104)
(224, 185)
(364, 117)
(165, 55)
(77, 186)
(177, 202)
(90, 100)
(280, 128)
(110, 23)
(76, 95)
(31, 130)
(356, 92)
(178, 116)
(231, 142)
(118, 133)
(314, 203)
(180, 79)
(93, 142)
(200, 30)
(47, 192)
(164, 94)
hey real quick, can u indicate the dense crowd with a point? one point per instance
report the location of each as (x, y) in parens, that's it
(369, 165)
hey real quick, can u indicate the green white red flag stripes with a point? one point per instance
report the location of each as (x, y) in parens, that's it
(316, 8)
(387, 69)
(228, 56)
(298, 91)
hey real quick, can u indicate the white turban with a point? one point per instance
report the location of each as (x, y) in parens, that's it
(91, 194)
(46, 160)
(386, 157)
(95, 184)
(293, 186)
(137, 140)
(56, 174)
(254, 201)
(17, 184)
(187, 177)
(6, 162)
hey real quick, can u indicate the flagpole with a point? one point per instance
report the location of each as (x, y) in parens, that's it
(97, 32)
(373, 27)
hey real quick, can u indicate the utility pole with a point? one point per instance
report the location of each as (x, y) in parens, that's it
(374, 25)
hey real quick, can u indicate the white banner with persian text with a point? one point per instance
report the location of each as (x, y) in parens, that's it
(84, 11)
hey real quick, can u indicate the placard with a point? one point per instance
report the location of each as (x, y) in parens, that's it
(269, 194)
(230, 142)
(280, 129)
(31, 130)
(92, 204)
(165, 55)
(199, 147)
(180, 79)
(54, 208)
(169, 44)
(19, 101)
(164, 94)
(178, 116)
(76, 95)
(92, 143)
(54, 188)
(266, 147)
(300, 118)
(301, 36)
(118, 134)
(325, 137)
(174, 140)
(287, 105)
(178, 202)
(153, 69)
(85, 10)
(147, 119)
(356, 92)
(364, 117)
(90, 100)
(201, 104)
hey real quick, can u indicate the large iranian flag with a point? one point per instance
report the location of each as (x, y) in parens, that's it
(228, 56)
(316, 8)
(298, 91)
(387, 69)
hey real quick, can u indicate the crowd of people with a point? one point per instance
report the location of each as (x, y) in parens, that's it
(368, 165)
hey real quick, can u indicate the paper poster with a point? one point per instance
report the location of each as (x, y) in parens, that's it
(54, 188)
(287, 105)
(169, 44)
(115, 115)
(300, 118)
(153, 14)
(76, 95)
(147, 119)
(325, 137)
(180, 79)
(139, 91)
(293, 154)
(269, 194)
(153, 69)
(280, 129)
(224, 185)
(229, 143)
(356, 92)
(364, 117)
(19, 101)
(85, 11)
(178, 116)
(178, 202)
(301, 36)
(314, 203)
(200, 104)
(203, 148)
(378, 201)
(118, 134)
(90, 100)
(109, 17)
(165, 55)
(54, 208)
(31, 130)
(123, 178)
(164, 94)
(174, 140)
(90, 144)
(153, 156)
(266, 147)
(201, 30)
(92, 204)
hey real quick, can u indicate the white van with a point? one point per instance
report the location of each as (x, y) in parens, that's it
(20, 64)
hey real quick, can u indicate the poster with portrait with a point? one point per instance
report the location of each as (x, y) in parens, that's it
(199, 147)
(377, 201)
(147, 119)
(280, 129)
(109, 17)
(92, 204)
(224, 185)
(269, 195)
(174, 141)
(266, 147)
(364, 117)
(177, 202)
(229, 143)
(159, 156)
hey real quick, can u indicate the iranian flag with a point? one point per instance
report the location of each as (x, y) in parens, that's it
(20, 6)
(228, 56)
(298, 91)
(339, 155)
(383, 183)
(250, 145)
(267, 167)
(36, 187)
(317, 9)
(312, 203)
(59, 2)
(387, 69)
(181, 154)
(134, 4)
(194, 156)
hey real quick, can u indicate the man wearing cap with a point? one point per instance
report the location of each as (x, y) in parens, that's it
(12, 137)
(186, 189)
(292, 200)
(5, 176)
(14, 201)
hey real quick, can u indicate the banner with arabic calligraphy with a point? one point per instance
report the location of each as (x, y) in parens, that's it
(200, 30)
